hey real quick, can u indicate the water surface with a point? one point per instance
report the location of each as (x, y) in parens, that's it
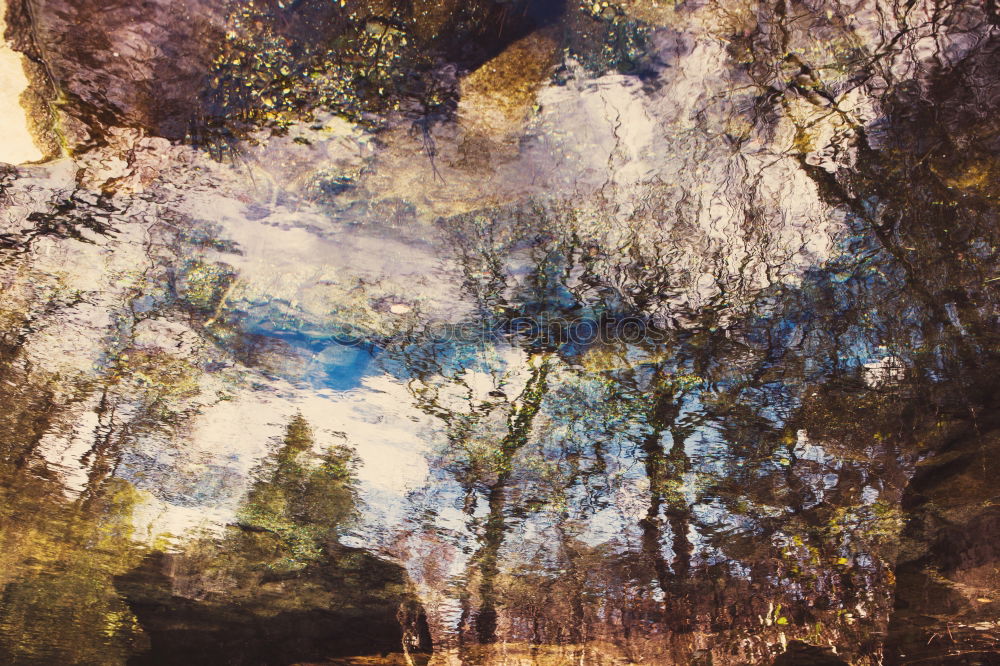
(501, 332)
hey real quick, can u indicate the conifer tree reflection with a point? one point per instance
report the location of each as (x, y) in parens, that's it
(280, 587)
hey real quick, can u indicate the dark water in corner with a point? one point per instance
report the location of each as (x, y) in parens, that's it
(502, 332)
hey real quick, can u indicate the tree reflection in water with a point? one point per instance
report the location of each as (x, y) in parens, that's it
(502, 332)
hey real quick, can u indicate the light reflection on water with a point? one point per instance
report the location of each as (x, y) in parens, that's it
(313, 379)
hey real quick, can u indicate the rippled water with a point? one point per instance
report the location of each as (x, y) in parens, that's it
(502, 332)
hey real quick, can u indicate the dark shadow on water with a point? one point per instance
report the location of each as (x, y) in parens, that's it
(270, 630)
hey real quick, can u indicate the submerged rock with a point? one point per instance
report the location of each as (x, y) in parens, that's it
(202, 70)
(800, 653)
(357, 607)
(140, 65)
(946, 602)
